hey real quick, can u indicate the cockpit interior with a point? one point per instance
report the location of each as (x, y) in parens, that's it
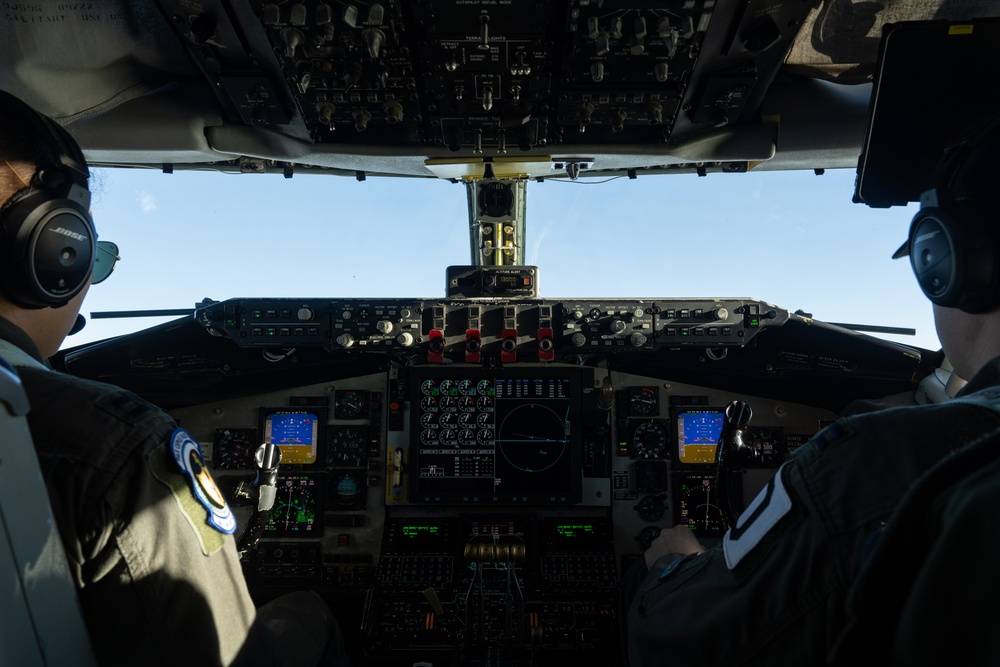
(465, 477)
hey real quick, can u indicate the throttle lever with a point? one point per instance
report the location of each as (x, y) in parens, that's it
(729, 455)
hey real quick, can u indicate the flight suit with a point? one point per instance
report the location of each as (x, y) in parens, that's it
(147, 535)
(774, 592)
(927, 594)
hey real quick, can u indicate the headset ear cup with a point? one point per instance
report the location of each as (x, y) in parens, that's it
(49, 248)
(955, 237)
(47, 238)
(955, 260)
(934, 256)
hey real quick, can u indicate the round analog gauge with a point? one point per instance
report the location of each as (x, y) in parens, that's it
(446, 386)
(428, 419)
(429, 436)
(467, 419)
(429, 403)
(346, 488)
(467, 436)
(348, 447)
(483, 387)
(697, 505)
(485, 403)
(649, 440)
(427, 387)
(766, 447)
(349, 405)
(449, 404)
(651, 508)
(466, 387)
(643, 401)
(448, 419)
(447, 436)
(647, 535)
(495, 199)
(485, 436)
(467, 403)
(484, 419)
(233, 448)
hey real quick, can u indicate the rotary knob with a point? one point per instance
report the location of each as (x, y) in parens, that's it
(383, 326)
(405, 339)
(345, 340)
(578, 339)
(617, 326)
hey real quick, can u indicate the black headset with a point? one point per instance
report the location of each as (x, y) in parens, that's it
(954, 242)
(47, 238)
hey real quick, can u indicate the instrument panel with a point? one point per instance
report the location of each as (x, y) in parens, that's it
(468, 480)
(457, 513)
(512, 328)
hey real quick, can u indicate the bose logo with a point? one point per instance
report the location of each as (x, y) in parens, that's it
(926, 237)
(72, 235)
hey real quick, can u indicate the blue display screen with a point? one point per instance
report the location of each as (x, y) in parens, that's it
(698, 434)
(296, 432)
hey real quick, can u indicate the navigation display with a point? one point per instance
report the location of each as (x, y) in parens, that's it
(297, 509)
(496, 436)
(698, 434)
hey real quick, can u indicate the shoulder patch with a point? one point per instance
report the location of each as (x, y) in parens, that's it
(835, 433)
(124, 406)
(770, 505)
(187, 454)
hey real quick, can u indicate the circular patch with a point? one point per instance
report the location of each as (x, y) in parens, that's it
(187, 453)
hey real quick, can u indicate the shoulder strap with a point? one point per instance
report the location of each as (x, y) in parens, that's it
(15, 356)
(42, 615)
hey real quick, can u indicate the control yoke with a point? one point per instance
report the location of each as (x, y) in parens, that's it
(731, 455)
(262, 489)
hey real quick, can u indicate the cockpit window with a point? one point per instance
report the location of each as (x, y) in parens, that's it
(793, 239)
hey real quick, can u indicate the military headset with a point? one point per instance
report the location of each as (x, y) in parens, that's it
(48, 241)
(954, 241)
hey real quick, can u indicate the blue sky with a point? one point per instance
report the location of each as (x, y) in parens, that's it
(793, 239)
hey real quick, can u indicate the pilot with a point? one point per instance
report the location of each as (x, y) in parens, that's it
(876, 543)
(147, 536)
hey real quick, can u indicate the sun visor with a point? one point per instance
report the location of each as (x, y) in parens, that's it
(933, 79)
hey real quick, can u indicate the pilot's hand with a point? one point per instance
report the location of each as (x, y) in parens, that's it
(676, 540)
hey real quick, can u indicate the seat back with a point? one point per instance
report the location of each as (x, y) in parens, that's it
(40, 614)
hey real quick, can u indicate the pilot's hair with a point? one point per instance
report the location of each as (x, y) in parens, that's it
(19, 145)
